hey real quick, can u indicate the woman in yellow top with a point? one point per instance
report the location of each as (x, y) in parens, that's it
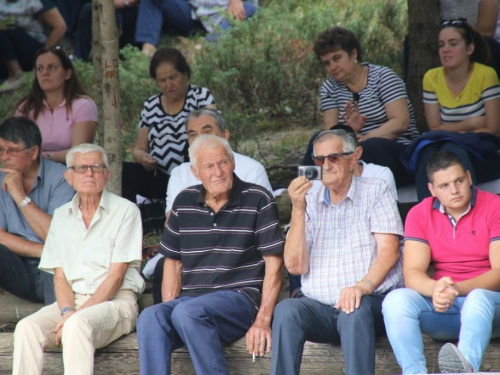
(462, 95)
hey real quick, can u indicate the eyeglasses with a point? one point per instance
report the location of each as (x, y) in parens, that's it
(454, 22)
(333, 158)
(82, 168)
(12, 151)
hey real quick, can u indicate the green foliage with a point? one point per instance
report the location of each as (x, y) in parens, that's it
(262, 71)
(265, 67)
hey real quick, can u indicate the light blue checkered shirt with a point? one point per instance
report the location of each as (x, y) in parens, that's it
(340, 238)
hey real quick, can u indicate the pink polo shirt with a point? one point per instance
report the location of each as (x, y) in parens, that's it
(57, 127)
(461, 251)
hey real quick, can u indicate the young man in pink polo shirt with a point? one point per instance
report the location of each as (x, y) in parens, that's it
(458, 230)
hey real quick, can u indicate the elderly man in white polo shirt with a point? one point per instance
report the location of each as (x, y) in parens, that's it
(93, 248)
(203, 121)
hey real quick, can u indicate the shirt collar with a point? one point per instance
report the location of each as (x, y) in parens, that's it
(325, 196)
(234, 196)
(74, 207)
(437, 205)
(46, 104)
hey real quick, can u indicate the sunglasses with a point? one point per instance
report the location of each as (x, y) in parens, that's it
(454, 22)
(333, 158)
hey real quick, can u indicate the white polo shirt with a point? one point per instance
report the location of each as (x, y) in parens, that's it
(85, 255)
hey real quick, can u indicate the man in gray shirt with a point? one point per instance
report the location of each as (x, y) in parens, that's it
(32, 188)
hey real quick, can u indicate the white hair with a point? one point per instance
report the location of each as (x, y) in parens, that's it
(85, 148)
(349, 143)
(208, 141)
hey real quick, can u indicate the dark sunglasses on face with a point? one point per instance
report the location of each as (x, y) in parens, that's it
(333, 158)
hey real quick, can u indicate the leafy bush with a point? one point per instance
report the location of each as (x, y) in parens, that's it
(266, 67)
(263, 71)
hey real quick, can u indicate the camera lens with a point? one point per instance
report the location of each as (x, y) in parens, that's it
(311, 173)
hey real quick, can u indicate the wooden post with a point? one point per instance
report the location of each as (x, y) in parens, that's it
(110, 86)
(424, 18)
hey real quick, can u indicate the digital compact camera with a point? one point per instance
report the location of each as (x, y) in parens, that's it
(310, 172)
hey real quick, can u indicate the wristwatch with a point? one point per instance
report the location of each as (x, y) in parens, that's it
(67, 310)
(25, 202)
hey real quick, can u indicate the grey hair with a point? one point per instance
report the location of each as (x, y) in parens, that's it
(207, 141)
(216, 115)
(349, 144)
(85, 148)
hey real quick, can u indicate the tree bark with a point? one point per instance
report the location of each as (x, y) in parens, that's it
(111, 92)
(424, 19)
(96, 61)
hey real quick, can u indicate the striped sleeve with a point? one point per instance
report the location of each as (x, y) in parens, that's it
(170, 245)
(390, 86)
(430, 95)
(150, 106)
(490, 86)
(268, 239)
(328, 95)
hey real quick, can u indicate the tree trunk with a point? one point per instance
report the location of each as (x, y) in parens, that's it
(424, 18)
(96, 61)
(111, 92)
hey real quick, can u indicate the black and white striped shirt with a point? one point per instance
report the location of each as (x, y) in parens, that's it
(223, 250)
(382, 88)
(167, 133)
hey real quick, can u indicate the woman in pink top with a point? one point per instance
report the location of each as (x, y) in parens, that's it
(65, 113)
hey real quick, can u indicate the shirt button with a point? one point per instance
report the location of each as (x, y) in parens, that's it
(211, 214)
(215, 224)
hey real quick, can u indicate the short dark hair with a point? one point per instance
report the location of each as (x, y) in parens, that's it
(442, 160)
(21, 130)
(336, 38)
(214, 113)
(172, 56)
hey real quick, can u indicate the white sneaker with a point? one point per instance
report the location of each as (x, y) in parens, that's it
(10, 84)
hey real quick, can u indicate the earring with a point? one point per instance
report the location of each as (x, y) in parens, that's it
(356, 61)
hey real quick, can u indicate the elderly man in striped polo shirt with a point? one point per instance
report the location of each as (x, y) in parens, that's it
(222, 272)
(344, 241)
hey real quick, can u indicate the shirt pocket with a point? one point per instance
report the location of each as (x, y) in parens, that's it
(100, 251)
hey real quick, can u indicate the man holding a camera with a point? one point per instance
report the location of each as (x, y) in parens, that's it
(344, 241)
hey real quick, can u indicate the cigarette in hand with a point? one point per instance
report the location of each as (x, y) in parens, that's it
(253, 356)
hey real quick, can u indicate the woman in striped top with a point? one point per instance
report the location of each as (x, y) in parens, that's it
(371, 99)
(161, 143)
(462, 95)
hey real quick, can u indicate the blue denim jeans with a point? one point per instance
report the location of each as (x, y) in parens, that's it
(201, 323)
(171, 14)
(299, 319)
(473, 320)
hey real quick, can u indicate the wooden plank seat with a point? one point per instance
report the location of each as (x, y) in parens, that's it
(121, 357)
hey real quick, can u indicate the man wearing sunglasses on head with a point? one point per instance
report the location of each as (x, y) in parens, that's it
(32, 188)
(344, 241)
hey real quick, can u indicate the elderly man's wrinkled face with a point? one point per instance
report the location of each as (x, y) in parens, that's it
(16, 156)
(214, 168)
(335, 173)
(93, 179)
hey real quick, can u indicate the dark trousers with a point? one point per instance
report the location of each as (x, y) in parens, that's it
(125, 21)
(137, 180)
(481, 170)
(16, 44)
(21, 277)
(201, 323)
(297, 320)
(157, 279)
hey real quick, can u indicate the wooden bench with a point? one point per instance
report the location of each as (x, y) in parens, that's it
(121, 357)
